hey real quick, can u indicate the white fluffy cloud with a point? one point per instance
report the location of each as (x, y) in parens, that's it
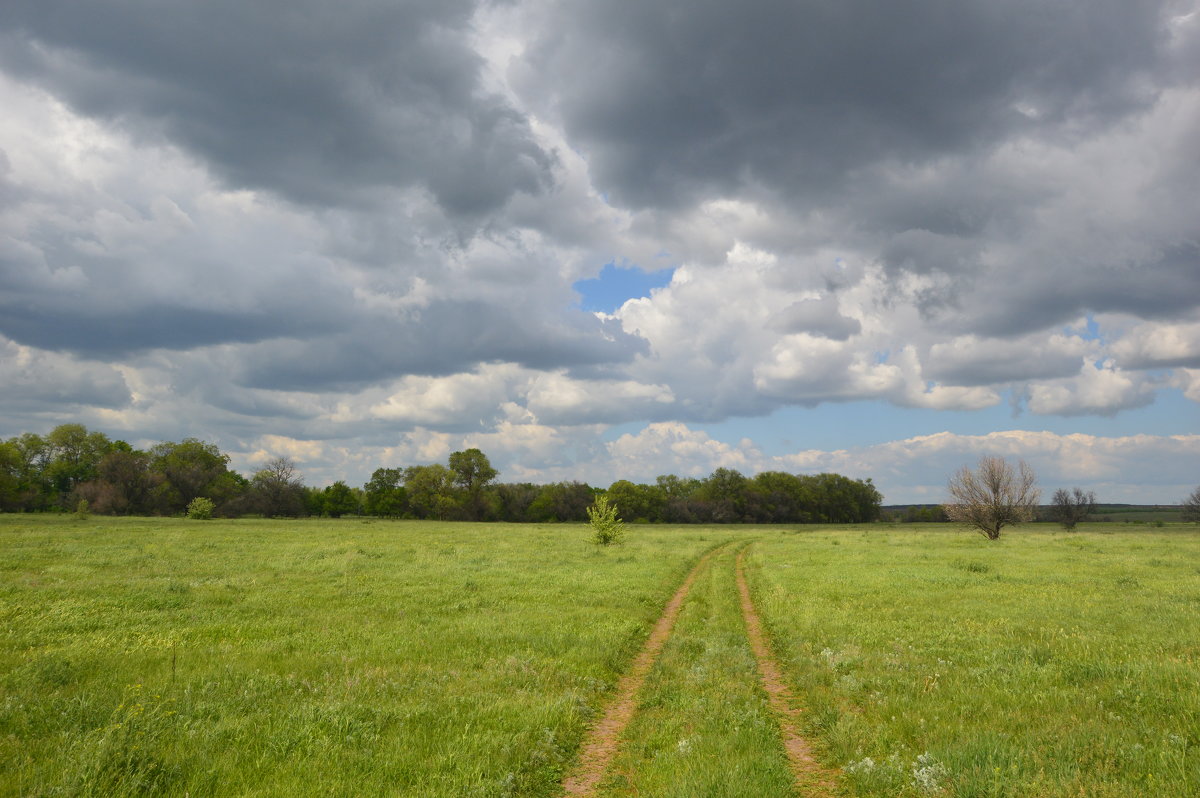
(1137, 469)
(380, 262)
(1101, 389)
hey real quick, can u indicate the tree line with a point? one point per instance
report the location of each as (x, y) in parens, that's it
(71, 464)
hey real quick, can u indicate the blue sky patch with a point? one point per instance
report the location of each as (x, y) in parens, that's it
(617, 284)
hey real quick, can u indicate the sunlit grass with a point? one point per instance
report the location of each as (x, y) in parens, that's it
(165, 656)
(280, 658)
(1043, 664)
(703, 726)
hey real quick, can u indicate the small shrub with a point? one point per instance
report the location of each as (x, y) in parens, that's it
(606, 527)
(201, 508)
(81, 510)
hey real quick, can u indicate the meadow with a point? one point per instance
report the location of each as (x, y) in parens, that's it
(249, 657)
(1044, 664)
(306, 657)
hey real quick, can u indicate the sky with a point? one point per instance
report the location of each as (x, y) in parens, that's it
(616, 239)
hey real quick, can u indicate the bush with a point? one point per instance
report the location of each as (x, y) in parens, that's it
(201, 508)
(606, 527)
(81, 510)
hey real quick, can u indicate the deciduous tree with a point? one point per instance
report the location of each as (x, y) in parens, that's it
(472, 473)
(1191, 507)
(607, 527)
(189, 469)
(993, 496)
(1069, 507)
(385, 496)
(340, 500)
(277, 489)
(431, 491)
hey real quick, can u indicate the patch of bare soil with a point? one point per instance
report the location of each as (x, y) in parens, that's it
(811, 779)
(600, 746)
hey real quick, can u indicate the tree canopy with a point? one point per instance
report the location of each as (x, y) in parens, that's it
(72, 463)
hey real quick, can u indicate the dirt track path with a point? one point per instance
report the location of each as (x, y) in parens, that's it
(811, 779)
(600, 746)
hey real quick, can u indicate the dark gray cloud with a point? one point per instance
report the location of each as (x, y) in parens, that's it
(816, 316)
(442, 338)
(34, 382)
(1052, 292)
(65, 289)
(321, 103)
(137, 328)
(303, 228)
(673, 100)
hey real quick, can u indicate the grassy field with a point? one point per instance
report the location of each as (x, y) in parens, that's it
(1044, 664)
(703, 727)
(165, 656)
(162, 656)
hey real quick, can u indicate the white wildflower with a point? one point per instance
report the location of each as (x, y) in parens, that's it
(927, 774)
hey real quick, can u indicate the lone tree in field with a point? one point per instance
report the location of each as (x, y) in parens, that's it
(607, 528)
(1191, 507)
(993, 496)
(1069, 507)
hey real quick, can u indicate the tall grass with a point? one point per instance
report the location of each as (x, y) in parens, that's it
(1043, 664)
(144, 656)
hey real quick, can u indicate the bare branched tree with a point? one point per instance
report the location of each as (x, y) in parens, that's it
(1191, 507)
(993, 496)
(1069, 507)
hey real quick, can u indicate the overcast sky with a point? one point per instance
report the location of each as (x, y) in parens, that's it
(611, 239)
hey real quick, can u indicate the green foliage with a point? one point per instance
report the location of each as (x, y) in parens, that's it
(384, 495)
(431, 492)
(340, 500)
(725, 494)
(10, 476)
(607, 528)
(637, 502)
(75, 454)
(472, 474)
(277, 490)
(189, 469)
(201, 508)
(561, 502)
(72, 463)
(81, 510)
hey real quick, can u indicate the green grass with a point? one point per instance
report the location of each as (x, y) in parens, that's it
(1044, 664)
(166, 656)
(1138, 513)
(703, 726)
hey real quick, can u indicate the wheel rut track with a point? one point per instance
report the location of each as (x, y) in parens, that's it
(602, 741)
(811, 779)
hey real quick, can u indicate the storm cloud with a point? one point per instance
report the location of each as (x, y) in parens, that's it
(352, 234)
